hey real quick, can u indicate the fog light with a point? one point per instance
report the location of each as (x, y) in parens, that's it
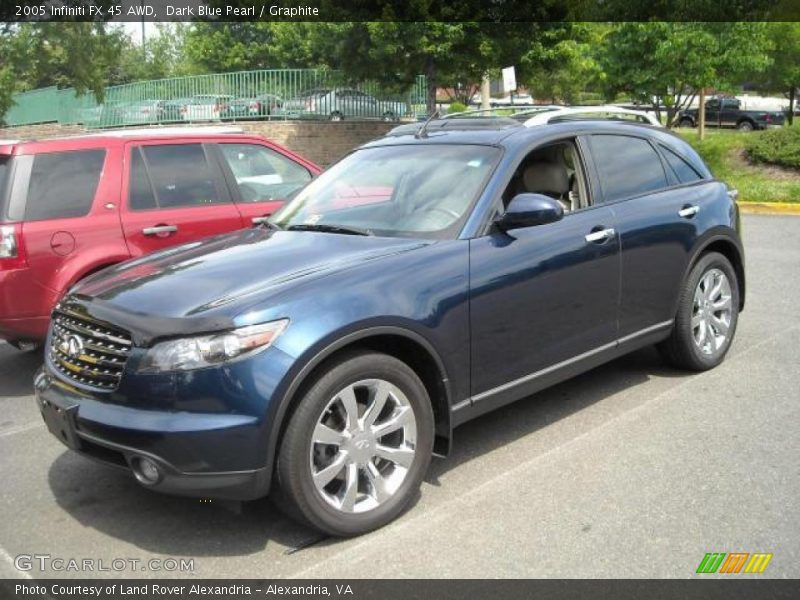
(146, 471)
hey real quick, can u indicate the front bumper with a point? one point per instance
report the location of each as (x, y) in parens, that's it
(184, 446)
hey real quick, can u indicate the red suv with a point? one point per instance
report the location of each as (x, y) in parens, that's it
(72, 206)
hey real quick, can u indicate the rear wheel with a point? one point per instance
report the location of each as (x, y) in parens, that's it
(686, 122)
(708, 311)
(336, 116)
(357, 447)
(745, 126)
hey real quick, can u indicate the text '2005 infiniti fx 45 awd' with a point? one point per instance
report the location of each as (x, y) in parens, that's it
(421, 281)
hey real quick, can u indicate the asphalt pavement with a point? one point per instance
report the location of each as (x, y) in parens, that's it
(631, 470)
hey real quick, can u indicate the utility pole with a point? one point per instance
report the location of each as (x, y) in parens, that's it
(486, 91)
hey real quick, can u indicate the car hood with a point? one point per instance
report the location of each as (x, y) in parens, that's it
(206, 284)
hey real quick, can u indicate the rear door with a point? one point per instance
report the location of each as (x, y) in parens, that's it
(730, 112)
(656, 215)
(70, 218)
(261, 178)
(712, 112)
(173, 193)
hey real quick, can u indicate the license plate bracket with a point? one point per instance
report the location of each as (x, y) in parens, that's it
(60, 421)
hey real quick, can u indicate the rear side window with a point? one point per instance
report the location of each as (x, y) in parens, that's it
(627, 166)
(62, 184)
(5, 167)
(180, 176)
(682, 169)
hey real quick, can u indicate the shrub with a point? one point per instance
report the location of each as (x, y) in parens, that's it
(776, 147)
(456, 107)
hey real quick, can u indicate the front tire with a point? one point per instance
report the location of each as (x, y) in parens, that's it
(357, 447)
(686, 122)
(708, 311)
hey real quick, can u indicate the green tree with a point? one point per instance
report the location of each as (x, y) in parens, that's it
(223, 47)
(162, 57)
(668, 63)
(783, 75)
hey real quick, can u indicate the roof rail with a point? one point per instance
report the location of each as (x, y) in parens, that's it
(138, 131)
(502, 111)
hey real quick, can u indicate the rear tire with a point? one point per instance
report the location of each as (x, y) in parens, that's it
(745, 126)
(708, 311)
(357, 447)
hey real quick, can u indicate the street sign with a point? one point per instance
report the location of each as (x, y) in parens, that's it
(509, 79)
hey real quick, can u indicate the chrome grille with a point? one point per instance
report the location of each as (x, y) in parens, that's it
(88, 352)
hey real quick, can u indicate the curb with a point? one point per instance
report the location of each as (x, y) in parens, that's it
(770, 208)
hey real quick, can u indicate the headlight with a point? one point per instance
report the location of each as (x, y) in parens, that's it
(206, 351)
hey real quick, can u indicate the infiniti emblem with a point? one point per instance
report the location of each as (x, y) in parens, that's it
(361, 444)
(74, 346)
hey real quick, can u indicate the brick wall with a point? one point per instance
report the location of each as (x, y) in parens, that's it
(321, 142)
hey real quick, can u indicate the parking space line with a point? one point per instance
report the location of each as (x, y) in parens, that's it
(20, 429)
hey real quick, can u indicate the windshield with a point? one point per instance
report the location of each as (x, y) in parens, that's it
(404, 191)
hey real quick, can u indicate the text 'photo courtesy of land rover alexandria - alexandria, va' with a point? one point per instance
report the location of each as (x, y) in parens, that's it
(430, 276)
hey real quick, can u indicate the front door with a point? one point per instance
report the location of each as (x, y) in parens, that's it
(542, 296)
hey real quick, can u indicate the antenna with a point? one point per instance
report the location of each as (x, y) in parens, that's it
(422, 131)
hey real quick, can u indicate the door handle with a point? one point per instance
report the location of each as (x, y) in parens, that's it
(160, 229)
(687, 212)
(260, 220)
(601, 235)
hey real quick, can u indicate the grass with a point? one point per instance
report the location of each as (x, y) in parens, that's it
(724, 153)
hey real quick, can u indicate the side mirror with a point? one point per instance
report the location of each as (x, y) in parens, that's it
(527, 210)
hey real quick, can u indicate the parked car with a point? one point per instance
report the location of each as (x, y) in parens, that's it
(727, 112)
(262, 105)
(337, 104)
(327, 355)
(72, 206)
(207, 107)
(138, 113)
(175, 109)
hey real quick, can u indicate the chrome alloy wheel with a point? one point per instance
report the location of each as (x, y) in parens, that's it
(363, 445)
(711, 313)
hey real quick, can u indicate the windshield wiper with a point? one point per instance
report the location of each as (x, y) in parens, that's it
(328, 228)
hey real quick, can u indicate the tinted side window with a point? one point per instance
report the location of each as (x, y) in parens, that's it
(263, 174)
(181, 175)
(682, 169)
(63, 184)
(141, 190)
(627, 166)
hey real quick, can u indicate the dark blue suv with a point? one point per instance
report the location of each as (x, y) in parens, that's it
(425, 279)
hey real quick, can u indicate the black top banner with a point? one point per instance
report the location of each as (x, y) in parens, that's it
(496, 11)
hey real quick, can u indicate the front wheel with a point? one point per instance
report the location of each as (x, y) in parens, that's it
(708, 311)
(336, 116)
(357, 447)
(686, 122)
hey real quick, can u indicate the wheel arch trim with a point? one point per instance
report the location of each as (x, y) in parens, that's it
(705, 243)
(288, 398)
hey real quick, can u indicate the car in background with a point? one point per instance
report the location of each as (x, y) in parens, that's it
(608, 112)
(722, 112)
(138, 113)
(174, 110)
(72, 206)
(418, 283)
(342, 103)
(263, 105)
(207, 107)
